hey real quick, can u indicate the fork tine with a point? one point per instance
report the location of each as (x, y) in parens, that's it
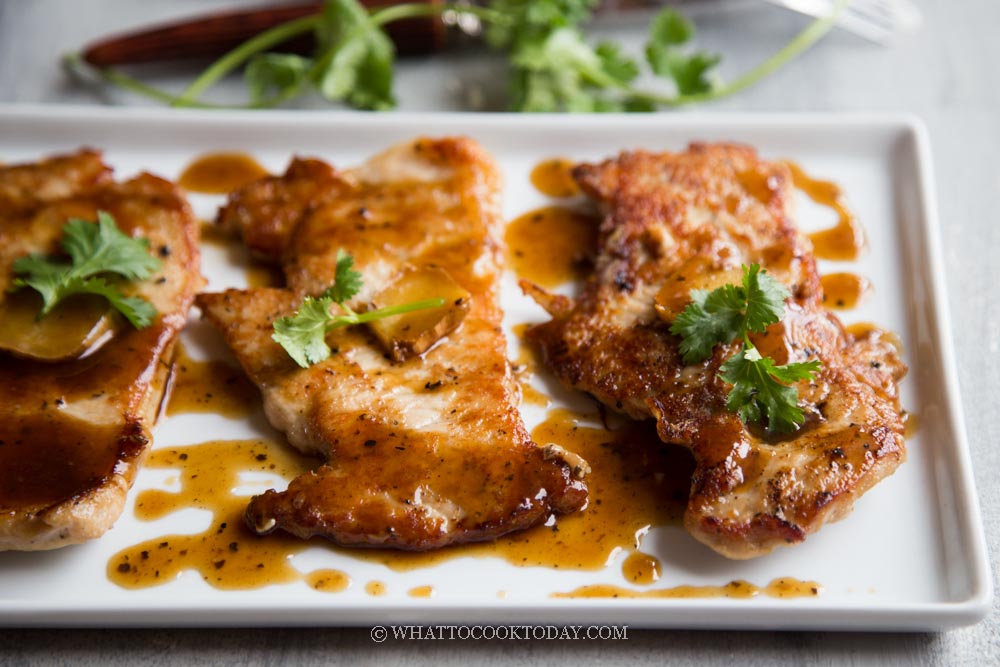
(879, 21)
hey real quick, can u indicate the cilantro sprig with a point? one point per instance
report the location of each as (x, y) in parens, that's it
(95, 250)
(761, 389)
(303, 334)
(551, 65)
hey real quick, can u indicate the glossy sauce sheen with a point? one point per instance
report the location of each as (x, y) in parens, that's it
(785, 587)
(637, 482)
(328, 581)
(422, 592)
(227, 555)
(640, 568)
(220, 173)
(846, 239)
(76, 456)
(550, 246)
(210, 386)
(76, 326)
(553, 177)
(843, 291)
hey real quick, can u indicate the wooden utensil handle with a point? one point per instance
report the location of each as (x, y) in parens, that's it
(211, 36)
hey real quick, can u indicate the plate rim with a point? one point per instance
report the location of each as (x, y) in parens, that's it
(913, 616)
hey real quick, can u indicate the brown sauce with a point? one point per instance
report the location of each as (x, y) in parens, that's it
(525, 367)
(636, 482)
(554, 178)
(785, 587)
(259, 274)
(213, 234)
(210, 386)
(422, 592)
(758, 184)
(328, 581)
(640, 568)
(550, 246)
(376, 588)
(47, 457)
(845, 240)
(227, 555)
(220, 173)
(843, 291)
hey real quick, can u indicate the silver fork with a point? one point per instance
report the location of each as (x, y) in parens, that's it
(879, 21)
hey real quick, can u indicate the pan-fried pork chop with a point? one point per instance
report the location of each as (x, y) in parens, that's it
(73, 433)
(677, 222)
(421, 453)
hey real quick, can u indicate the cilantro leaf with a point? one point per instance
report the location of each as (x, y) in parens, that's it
(560, 71)
(94, 249)
(670, 28)
(531, 20)
(303, 333)
(346, 281)
(278, 74)
(669, 31)
(139, 312)
(357, 58)
(711, 317)
(103, 248)
(765, 298)
(758, 392)
(732, 312)
(618, 66)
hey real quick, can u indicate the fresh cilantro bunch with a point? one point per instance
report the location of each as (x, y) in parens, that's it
(303, 334)
(552, 67)
(95, 250)
(761, 391)
(353, 63)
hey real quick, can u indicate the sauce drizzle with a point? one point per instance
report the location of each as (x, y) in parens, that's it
(846, 239)
(210, 386)
(220, 173)
(637, 482)
(843, 291)
(551, 246)
(226, 554)
(554, 177)
(640, 568)
(784, 587)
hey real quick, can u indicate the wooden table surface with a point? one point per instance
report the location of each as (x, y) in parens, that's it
(948, 74)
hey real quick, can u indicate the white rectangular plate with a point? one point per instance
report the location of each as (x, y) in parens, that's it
(911, 556)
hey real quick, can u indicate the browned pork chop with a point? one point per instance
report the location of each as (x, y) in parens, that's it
(677, 222)
(422, 453)
(74, 433)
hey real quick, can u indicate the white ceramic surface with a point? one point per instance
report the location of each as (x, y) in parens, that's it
(911, 556)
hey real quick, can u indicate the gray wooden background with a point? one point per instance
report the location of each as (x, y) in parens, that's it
(948, 74)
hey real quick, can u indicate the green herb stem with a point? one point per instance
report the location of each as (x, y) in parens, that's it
(388, 311)
(74, 63)
(801, 43)
(239, 55)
